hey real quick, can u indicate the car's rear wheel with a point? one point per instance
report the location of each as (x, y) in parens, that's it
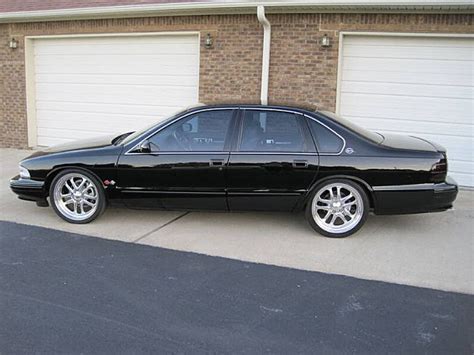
(77, 196)
(337, 208)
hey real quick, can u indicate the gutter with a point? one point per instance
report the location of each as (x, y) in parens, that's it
(267, 32)
(242, 7)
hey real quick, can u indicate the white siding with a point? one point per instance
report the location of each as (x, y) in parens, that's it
(413, 85)
(93, 86)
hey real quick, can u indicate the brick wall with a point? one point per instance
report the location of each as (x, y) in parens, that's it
(301, 72)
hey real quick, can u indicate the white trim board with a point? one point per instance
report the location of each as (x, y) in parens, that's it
(239, 7)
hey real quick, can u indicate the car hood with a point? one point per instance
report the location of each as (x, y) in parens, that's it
(399, 141)
(91, 143)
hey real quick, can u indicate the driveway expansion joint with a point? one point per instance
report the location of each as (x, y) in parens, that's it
(160, 227)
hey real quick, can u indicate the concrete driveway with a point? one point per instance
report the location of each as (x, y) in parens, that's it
(429, 250)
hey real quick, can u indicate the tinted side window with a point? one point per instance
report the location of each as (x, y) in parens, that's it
(201, 132)
(326, 140)
(271, 131)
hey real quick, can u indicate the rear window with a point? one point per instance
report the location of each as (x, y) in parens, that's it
(369, 135)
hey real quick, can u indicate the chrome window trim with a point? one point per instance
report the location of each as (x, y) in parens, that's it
(226, 152)
(272, 153)
(333, 131)
(270, 109)
(134, 146)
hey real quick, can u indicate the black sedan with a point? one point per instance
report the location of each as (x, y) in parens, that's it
(244, 157)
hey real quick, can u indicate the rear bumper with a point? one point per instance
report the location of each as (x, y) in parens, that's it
(417, 198)
(26, 189)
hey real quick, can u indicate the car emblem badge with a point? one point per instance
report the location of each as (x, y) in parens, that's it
(349, 150)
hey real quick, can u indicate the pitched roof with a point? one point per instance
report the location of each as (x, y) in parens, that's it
(37, 5)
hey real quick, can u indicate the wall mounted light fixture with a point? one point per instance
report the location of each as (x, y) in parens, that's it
(209, 41)
(13, 44)
(325, 41)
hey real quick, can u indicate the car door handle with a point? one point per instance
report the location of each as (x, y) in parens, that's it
(216, 162)
(300, 163)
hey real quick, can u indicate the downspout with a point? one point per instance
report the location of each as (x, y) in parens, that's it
(266, 53)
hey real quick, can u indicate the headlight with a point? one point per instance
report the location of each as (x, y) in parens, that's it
(24, 173)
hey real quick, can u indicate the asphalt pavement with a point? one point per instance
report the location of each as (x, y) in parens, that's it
(67, 293)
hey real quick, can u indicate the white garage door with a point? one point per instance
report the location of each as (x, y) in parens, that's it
(93, 86)
(413, 85)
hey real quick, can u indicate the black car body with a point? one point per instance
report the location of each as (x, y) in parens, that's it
(255, 162)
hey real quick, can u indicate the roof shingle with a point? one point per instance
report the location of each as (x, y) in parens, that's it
(38, 5)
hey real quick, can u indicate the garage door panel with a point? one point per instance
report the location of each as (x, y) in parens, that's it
(408, 78)
(116, 60)
(75, 120)
(87, 124)
(450, 43)
(80, 133)
(93, 86)
(129, 79)
(126, 109)
(457, 149)
(115, 94)
(84, 132)
(413, 126)
(422, 108)
(460, 165)
(50, 141)
(402, 113)
(422, 86)
(86, 127)
(408, 65)
(118, 67)
(101, 108)
(129, 48)
(408, 52)
(456, 92)
(464, 179)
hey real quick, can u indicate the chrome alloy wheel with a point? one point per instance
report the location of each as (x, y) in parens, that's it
(76, 196)
(337, 208)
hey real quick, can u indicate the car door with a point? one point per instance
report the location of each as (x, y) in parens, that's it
(273, 161)
(183, 166)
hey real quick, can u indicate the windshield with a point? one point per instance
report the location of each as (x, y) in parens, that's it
(138, 133)
(372, 136)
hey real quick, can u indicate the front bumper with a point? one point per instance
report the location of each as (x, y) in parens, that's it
(417, 198)
(27, 189)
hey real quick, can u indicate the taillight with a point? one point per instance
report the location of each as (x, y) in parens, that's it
(441, 166)
(439, 170)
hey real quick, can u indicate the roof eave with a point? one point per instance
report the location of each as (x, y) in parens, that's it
(208, 8)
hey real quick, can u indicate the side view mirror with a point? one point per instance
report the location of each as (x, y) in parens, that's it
(145, 147)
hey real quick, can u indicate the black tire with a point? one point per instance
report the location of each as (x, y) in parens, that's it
(100, 202)
(322, 190)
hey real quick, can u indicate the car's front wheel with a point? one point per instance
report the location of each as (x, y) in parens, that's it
(77, 196)
(337, 208)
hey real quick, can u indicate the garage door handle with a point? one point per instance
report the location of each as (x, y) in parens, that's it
(300, 163)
